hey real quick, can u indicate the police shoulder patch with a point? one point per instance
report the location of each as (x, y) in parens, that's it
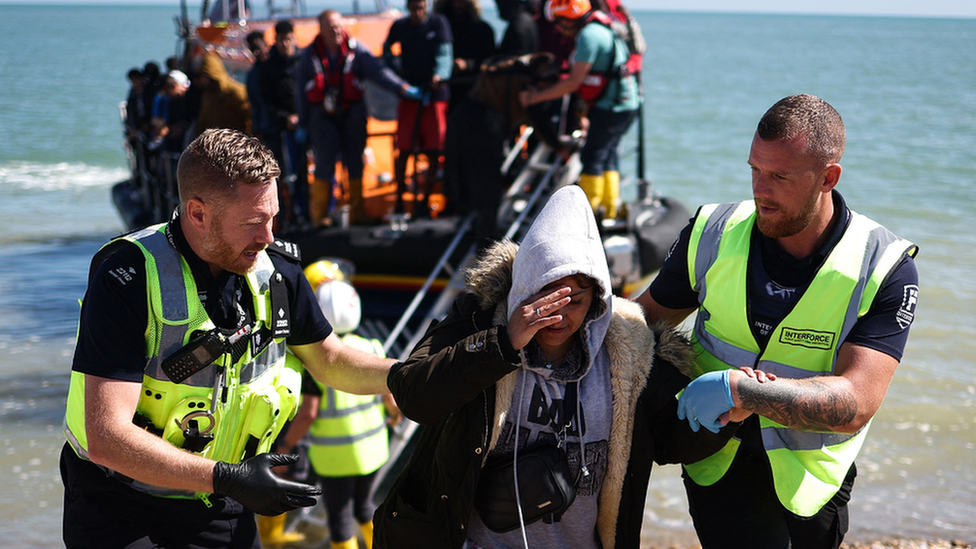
(287, 249)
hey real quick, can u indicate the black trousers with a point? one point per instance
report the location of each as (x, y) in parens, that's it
(348, 502)
(742, 511)
(101, 511)
(473, 157)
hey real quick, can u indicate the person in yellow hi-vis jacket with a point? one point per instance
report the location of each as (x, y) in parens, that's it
(347, 432)
(797, 284)
(184, 371)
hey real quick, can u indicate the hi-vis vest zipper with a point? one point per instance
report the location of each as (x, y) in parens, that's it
(243, 405)
(807, 467)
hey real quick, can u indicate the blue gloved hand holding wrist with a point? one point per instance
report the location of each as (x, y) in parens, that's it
(705, 399)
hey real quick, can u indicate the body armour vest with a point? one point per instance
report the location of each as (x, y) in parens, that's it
(230, 410)
(349, 438)
(807, 467)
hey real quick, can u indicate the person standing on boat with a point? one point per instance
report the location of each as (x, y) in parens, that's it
(181, 380)
(795, 283)
(258, 47)
(138, 113)
(478, 128)
(521, 36)
(332, 72)
(171, 118)
(425, 60)
(599, 74)
(223, 100)
(278, 85)
(537, 357)
(474, 42)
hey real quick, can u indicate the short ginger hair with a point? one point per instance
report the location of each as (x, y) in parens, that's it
(219, 160)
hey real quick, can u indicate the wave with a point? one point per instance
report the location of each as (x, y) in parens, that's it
(61, 176)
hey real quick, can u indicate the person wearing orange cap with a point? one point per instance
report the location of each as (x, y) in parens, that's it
(602, 76)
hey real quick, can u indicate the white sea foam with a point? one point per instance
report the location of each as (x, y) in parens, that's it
(40, 177)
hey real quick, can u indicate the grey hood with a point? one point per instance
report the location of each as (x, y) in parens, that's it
(562, 241)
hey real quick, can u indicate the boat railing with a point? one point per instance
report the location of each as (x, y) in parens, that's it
(239, 11)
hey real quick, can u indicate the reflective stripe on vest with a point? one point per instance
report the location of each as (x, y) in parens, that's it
(808, 467)
(259, 392)
(349, 436)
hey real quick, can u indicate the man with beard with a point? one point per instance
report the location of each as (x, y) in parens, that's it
(795, 284)
(332, 73)
(181, 381)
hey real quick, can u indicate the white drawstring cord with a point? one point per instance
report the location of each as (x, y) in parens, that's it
(518, 497)
(579, 428)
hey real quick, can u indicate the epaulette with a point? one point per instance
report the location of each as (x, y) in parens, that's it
(286, 249)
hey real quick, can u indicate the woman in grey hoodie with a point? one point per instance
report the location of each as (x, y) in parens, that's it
(491, 379)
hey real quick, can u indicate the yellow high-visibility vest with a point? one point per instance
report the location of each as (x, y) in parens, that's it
(807, 467)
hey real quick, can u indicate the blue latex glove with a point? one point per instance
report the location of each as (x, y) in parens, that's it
(705, 399)
(413, 92)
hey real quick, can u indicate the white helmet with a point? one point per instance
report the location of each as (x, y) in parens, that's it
(340, 304)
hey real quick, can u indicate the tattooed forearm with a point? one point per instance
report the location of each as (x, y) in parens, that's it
(808, 404)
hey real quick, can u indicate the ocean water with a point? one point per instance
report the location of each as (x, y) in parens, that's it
(905, 87)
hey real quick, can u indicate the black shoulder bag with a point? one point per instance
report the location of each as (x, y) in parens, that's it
(545, 486)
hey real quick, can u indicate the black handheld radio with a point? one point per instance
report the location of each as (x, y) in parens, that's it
(199, 353)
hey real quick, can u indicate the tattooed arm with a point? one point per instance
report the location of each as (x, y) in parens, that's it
(843, 402)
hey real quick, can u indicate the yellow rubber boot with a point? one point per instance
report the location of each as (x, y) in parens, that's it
(272, 531)
(367, 529)
(350, 543)
(357, 207)
(319, 195)
(611, 193)
(592, 185)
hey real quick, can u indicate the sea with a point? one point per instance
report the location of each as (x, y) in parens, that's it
(906, 88)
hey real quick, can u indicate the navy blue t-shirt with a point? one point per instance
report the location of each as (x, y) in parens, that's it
(114, 314)
(782, 278)
(419, 47)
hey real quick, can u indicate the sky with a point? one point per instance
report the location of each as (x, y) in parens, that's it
(918, 8)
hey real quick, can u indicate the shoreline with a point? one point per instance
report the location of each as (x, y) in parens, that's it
(888, 543)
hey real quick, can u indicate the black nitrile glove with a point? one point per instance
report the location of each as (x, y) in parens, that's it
(255, 486)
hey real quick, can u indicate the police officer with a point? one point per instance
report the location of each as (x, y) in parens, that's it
(180, 381)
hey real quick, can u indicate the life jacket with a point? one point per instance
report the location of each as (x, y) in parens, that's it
(232, 409)
(340, 78)
(349, 437)
(807, 467)
(595, 83)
